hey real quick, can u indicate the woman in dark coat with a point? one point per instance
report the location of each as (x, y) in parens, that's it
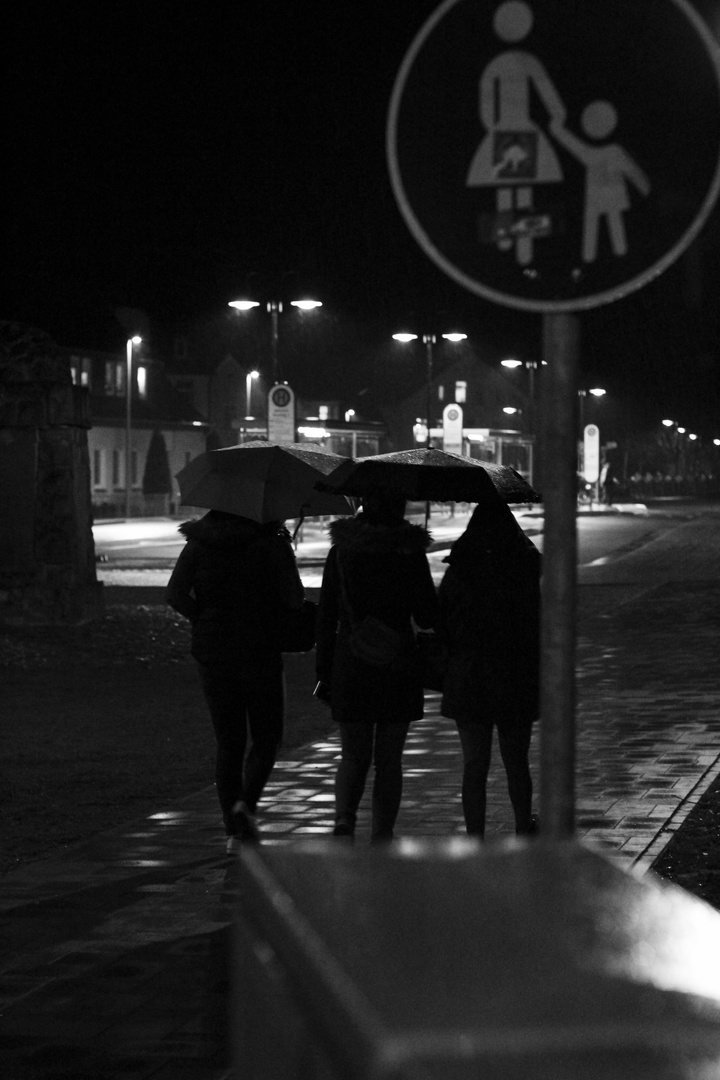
(377, 565)
(490, 620)
(232, 581)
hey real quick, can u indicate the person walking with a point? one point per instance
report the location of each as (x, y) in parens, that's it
(376, 569)
(490, 622)
(232, 580)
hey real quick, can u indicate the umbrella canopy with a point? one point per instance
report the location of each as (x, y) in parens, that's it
(262, 481)
(430, 474)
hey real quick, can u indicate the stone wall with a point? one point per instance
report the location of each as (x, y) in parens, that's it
(47, 554)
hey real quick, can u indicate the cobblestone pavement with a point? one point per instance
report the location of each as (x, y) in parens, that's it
(115, 957)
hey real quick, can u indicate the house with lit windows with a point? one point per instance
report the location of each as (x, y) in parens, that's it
(138, 441)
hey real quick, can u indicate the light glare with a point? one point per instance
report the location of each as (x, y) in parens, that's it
(455, 337)
(244, 305)
(511, 363)
(306, 305)
(405, 337)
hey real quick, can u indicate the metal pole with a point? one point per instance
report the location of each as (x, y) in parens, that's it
(274, 307)
(128, 425)
(429, 340)
(559, 589)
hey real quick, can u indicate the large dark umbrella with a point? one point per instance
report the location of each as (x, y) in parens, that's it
(262, 481)
(430, 475)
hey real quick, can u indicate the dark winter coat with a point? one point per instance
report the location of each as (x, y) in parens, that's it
(386, 574)
(490, 620)
(232, 581)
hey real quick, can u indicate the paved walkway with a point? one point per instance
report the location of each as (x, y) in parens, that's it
(115, 957)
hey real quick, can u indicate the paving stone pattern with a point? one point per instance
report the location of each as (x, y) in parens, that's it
(115, 957)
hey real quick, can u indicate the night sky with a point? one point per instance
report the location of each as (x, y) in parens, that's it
(171, 157)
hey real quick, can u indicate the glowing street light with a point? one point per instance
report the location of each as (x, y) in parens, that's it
(136, 340)
(248, 391)
(429, 340)
(274, 308)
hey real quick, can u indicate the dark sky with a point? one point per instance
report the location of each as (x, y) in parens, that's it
(169, 157)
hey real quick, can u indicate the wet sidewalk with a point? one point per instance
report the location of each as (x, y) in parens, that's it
(115, 957)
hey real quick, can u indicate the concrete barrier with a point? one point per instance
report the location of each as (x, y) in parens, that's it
(535, 961)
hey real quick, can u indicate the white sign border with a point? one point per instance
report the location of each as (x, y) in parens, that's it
(581, 303)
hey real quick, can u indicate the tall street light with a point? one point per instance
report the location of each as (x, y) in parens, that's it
(248, 392)
(429, 340)
(531, 366)
(128, 416)
(274, 308)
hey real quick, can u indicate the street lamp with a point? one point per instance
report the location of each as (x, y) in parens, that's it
(248, 391)
(136, 340)
(597, 392)
(274, 308)
(429, 340)
(531, 366)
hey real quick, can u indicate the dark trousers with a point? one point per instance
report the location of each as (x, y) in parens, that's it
(476, 742)
(238, 703)
(363, 745)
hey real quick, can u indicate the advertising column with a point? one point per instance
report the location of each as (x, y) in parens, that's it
(453, 429)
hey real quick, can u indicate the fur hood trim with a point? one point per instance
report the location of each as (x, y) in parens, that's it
(356, 536)
(229, 532)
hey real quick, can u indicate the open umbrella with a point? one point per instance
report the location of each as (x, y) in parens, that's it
(262, 481)
(430, 475)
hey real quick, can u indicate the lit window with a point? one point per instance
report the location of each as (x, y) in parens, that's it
(323, 412)
(142, 381)
(460, 392)
(441, 393)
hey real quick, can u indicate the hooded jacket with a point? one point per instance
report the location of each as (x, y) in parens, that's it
(386, 574)
(232, 580)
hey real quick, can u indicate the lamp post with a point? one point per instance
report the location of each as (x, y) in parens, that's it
(429, 340)
(128, 416)
(530, 366)
(274, 308)
(248, 392)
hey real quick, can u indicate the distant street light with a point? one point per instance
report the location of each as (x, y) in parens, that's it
(597, 392)
(531, 366)
(136, 340)
(248, 392)
(274, 308)
(429, 341)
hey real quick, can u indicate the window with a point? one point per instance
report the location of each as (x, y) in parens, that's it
(460, 392)
(114, 378)
(80, 368)
(142, 382)
(116, 468)
(133, 468)
(441, 393)
(98, 468)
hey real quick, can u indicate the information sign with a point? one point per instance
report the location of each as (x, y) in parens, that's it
(281, 414)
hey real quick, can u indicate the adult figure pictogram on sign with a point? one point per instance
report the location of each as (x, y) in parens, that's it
(555, 156)
(516, 153)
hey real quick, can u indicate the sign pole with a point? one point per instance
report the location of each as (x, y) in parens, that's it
(559, 586)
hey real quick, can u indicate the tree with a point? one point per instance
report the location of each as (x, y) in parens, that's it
(157, 479)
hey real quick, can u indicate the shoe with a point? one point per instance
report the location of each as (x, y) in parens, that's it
(344, 830)
(532, 830)
(246, 830)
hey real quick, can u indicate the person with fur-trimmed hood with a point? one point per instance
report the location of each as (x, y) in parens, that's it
(377, 566)
(232, 580)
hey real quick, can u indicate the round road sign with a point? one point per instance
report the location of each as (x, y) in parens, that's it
(556, 156)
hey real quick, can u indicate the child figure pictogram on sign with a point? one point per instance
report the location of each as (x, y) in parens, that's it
(609, 171)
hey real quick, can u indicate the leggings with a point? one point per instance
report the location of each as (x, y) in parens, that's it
(476, 742)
